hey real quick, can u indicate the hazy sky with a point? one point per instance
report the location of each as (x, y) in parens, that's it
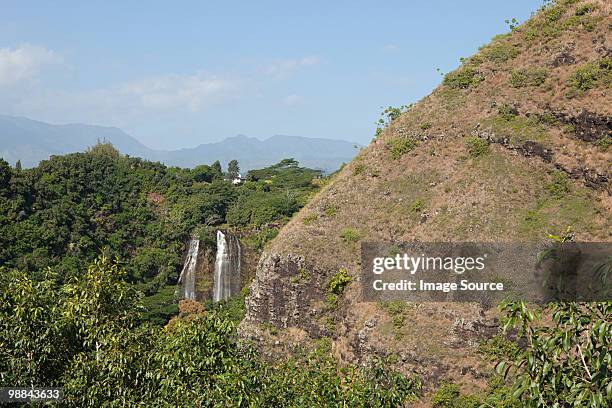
(180, 73)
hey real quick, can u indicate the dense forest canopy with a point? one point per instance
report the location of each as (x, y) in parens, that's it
(70, 209)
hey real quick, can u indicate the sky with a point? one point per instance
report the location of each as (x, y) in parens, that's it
(176, 74)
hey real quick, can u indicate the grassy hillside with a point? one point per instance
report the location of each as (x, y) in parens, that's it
(513, 145)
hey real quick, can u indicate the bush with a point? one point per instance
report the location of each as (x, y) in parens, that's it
(258, 239)
(551, 23)
(498, 53)
(445, 396)
(498, 348)
(591, 74)
(417, 205)
(339, 281)
(336, 286)
(330, 211)
(585, 9)
(507, 111)
(350, 235)
(448, 396)
(565, 361)
(463, 78)
(397, 310)
(545, 118)
(585, 77)
(528, 77)
(401, 146)
(604, 143)
(477, 146)
(359, 168)
(559, 186)
(309, 219)
(302, 276)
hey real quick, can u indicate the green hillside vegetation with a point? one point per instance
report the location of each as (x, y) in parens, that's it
(70, 209)
(83, 335)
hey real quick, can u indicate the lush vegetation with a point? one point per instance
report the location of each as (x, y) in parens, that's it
(272, 194)
(500, 52)
(84, 335)
(590, 75)
(70, 317)
(70, 209)
(567, 363)
(564, 364)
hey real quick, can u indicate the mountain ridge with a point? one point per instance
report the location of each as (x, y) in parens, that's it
(31, 141)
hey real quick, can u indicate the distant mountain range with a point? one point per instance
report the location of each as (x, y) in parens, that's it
(32, 141)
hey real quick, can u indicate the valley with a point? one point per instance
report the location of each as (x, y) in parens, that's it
(231, 274)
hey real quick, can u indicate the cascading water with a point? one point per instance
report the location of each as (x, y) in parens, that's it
(227, 267)
(187, 277)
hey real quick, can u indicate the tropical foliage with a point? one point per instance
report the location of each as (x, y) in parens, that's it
(83, 336)
(68, 210)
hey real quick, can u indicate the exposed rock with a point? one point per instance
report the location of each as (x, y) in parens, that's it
(588, 126)
(564, 57)
(591, 178)
(275, 299)
(531, 148)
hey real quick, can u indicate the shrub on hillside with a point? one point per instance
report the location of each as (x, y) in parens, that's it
(401, 146)
(339, 281)
(528, 77)
(350, 235)
(463, 78)
(590, 75)
(477, 146)
(500, 52)
(585, 9)
(507, 111)
(359, 168)
(559, 185)
(448, 396)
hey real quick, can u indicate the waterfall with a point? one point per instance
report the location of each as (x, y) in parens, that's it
(187, 278)
(227, 267)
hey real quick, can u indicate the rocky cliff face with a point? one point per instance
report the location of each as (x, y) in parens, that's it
(283, 294)
(513, 146)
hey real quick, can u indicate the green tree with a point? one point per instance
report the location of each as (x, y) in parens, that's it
(203, 173)
(5, 174)
(233, 169)
(34, 346)
(216, 166)
(98, 303)
(567, 363)
(104, 148)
